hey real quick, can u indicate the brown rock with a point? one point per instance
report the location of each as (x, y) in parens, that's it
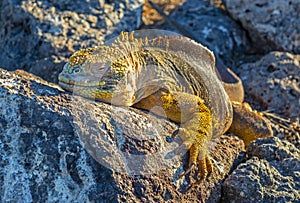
(274, 81)
(270, 175)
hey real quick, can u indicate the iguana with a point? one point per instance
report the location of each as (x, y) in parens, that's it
(172, 72)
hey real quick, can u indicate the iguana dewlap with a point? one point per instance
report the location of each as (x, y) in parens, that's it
(172, 72)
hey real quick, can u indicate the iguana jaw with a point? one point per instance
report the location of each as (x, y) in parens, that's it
(91, 92)
(66, 81)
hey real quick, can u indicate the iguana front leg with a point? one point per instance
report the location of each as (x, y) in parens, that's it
(195, 123)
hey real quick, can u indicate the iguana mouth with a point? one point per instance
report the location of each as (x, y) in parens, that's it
(85, 83)
(88, 88)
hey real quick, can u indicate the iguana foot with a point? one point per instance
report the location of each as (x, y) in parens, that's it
(205, 167)
(198, 150)
(200, 158)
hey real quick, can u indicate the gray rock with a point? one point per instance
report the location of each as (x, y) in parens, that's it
(274, 81)
(45, 135)
(270, 175)
(39, 36)
(41, 159)
(272, 24)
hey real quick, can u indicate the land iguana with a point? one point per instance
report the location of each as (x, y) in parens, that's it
(175, 73)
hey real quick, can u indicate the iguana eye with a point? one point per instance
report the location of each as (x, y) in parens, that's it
(76, 70)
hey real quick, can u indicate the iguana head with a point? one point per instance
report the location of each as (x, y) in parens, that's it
(103, 73)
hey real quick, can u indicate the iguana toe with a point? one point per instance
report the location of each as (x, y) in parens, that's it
(198, 154)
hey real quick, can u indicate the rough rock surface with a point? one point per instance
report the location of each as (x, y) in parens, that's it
(43, 160)
(271, 175)
(39, 36)
(271, 24)
(272, 78)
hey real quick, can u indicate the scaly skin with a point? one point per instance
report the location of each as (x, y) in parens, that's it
(146, 73)
(248, 124)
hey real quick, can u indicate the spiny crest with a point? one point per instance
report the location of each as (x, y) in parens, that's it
(127, 43)
(80, 56)
(128, 49)
(124, 45)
